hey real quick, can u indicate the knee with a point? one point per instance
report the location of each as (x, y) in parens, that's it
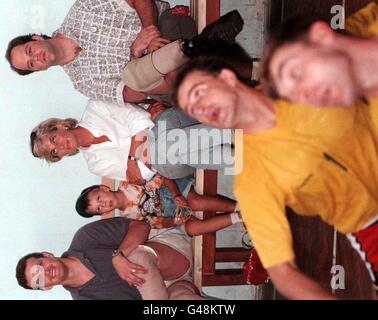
(191, 227)
(143, 257)
(193, 198)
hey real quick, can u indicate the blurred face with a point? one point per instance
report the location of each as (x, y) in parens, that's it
(313, 74)
(59, 143)
(34, 55)
(211, 100)
(44, 273)
(101, 201)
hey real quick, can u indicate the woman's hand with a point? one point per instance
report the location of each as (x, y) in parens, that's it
(143, 40)
(128, 271)
(156, 109)
(133, 174)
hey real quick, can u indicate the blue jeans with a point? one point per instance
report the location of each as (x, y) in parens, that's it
(168, 205)
(179, 145)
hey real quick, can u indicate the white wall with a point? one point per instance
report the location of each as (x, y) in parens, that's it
(37, 199)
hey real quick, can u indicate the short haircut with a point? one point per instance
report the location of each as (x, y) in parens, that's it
(210, 65)
(21, 267)
(19, 41)
(82, 202)
(43, 128)
(293, 29)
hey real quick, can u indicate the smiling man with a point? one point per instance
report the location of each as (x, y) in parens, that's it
(317, 161)
(93, 45)
(98, 39)
(107, 261)
(81, 270)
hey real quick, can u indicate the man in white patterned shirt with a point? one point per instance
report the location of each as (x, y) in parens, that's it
(94, 44)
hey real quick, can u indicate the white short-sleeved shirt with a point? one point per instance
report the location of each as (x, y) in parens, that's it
(119, 124)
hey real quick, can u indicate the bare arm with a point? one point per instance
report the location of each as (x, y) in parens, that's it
(146, 10)
(130, 95)
(137, 234)
(137, 147)
(293, 284)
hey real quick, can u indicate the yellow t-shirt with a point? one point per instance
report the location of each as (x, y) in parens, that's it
(364, 22)
(318, 161)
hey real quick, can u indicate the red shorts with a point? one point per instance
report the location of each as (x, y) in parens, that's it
(366, 244)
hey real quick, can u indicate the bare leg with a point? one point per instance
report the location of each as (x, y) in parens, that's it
(166, 264)
(184, 290)
(195, 227)
(154, 287)
(172, 264)
(210, 203)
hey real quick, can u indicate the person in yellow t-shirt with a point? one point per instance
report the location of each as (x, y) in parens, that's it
(318, 161)
(307, 61)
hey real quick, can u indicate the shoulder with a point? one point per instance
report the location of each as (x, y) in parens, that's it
(94, 230)
(364, 22)
(97, 108)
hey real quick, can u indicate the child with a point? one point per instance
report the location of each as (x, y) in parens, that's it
(162, 202)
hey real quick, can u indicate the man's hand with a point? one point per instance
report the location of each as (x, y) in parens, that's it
(157, 43)
(128, 271)
(133, 174)
(156, 109)
(144, 39)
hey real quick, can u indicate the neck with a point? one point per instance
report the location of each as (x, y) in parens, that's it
(77, 275)
(363, 53)
(121, 200)
(255, 112)
(66, 49)
(84, 137)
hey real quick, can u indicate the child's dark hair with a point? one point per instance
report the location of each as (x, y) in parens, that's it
(82, 202)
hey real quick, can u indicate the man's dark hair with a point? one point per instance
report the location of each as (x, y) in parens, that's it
(21, 266)
(293, 29)
(16, 42)
(82, 202)
(211, 64)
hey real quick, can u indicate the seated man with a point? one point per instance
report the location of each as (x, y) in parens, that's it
(317, 161)
(97, 40)
(107, 261)
(306, 61)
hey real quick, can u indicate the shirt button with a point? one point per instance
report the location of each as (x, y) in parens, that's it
(93, 29)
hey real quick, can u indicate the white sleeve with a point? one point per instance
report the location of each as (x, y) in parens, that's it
(131, 117)
(105, 163)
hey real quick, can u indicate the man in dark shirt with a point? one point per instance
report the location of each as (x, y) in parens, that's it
(86, 268)
(97, 266)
